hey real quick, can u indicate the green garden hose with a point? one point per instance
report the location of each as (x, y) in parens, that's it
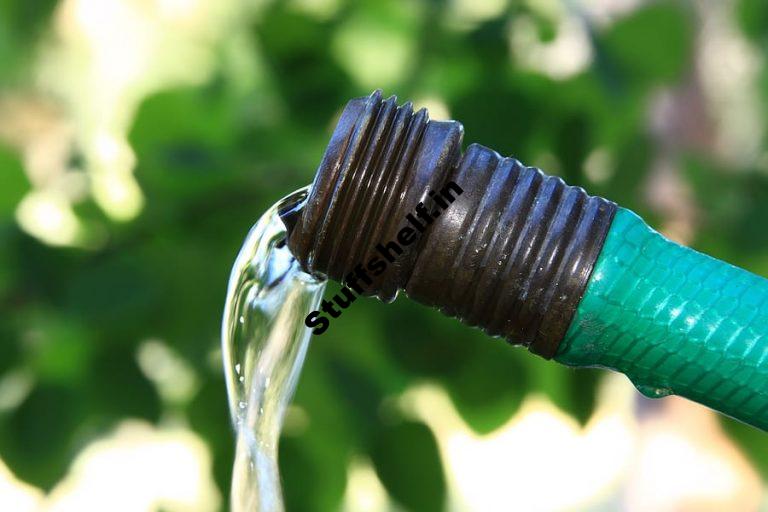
(396, 205)
(674, 321)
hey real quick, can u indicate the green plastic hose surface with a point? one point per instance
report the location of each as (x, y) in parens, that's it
(675, 321)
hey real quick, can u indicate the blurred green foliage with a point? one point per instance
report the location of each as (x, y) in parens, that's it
(212, 158)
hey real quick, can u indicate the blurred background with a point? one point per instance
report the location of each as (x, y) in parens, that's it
(140, 139)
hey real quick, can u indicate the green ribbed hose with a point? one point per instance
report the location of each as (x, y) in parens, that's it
(675, 321)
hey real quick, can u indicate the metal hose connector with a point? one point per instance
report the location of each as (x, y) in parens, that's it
(512, 253)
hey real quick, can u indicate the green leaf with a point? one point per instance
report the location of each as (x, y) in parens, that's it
(653, 43)
(59, 348)
(491, 386)
(750, 439)
(38, 440)
(407, 461)
(118, 388)
(424, 342)
(15, 183)
(313, 469)
(752, 16)
(313, 462)
(209, 416)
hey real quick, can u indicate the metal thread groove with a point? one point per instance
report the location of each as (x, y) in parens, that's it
(505, 187)
(347, 184)
(488, 268)
(371, 204)
(379, 131)
(492, 319)
(470, 225)
(512, 254)
(520, 202)
(403, 173)
(519, 286)
(487, 218)
(390, 154)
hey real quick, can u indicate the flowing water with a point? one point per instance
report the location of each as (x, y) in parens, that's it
(264, 342)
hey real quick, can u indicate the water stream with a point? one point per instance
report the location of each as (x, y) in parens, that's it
(264, 342)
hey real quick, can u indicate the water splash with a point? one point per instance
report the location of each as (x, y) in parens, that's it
(264, 342)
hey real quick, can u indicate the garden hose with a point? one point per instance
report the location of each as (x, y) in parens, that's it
(674, 321)
(504, 247)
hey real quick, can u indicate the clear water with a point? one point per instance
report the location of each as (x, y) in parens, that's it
(264, 342)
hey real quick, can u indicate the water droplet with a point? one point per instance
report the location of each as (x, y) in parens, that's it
(653, 391)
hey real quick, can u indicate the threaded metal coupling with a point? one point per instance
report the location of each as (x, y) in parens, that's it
(511, 253)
